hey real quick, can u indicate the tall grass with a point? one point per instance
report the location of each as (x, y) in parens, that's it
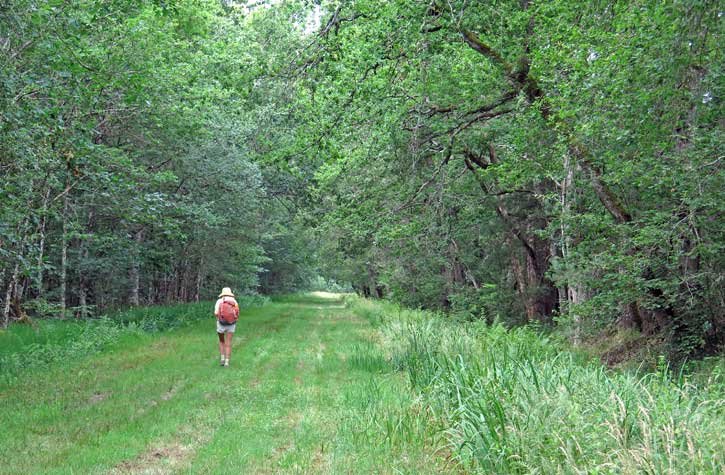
(512, 401)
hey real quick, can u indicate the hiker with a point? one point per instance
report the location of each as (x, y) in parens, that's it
(226, 312)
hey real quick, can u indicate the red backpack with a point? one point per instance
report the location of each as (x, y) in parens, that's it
(228, 312)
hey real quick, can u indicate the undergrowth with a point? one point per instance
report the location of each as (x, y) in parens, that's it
(515, 401)
(24, 347)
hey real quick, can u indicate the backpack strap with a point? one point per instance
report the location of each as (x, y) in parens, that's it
(221, 306)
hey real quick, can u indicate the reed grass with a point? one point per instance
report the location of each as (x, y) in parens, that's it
(515, 401)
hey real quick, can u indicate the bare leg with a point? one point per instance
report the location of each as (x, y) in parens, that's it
(221, 344)
(228, 345)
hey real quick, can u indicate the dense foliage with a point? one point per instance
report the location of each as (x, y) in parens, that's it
(554, 162)
(130, 150)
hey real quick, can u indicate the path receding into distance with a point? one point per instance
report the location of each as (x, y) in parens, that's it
(296, 399)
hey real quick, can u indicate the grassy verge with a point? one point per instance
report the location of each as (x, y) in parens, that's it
(26, 348)
(511, 401)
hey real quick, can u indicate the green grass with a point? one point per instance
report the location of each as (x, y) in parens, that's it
(513, 401)
(308, 391)
(23, 347)
(320, 384)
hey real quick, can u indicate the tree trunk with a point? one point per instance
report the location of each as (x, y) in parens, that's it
(41, 245)
(464, 270)
(150, 292)
(9, 293)
(521, 284)
(571, 294)
(82, 278)
(136, 268)
(452, 273)
(575, 296)
(538, 293)
(82, 284)
(543, 295)
(372, 284)
(199, 279)
(64, 258)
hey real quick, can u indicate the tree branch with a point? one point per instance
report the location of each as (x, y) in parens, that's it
(335, 21)
(474, 42)
(500, 209)
(22, 48)
(605, 195)
(453, 131)
(443, 163)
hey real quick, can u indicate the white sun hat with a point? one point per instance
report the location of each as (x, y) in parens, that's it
(226, 292)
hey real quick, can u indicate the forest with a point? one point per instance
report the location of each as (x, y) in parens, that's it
(556, 164)
(461, 237)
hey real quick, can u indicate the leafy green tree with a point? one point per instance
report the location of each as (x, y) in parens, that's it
(588, 129)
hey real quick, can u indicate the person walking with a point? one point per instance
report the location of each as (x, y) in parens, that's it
(226, 311)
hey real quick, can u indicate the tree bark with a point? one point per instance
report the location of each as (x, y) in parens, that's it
(41, 245)
(136, 268)
(82, 279)
(199, 279)
(372, 284)
(522, 287)
(571, 293)
(64, 258)
(9, 294)
(543, 295)
(82, 284)
(574, 297)
(610, 201)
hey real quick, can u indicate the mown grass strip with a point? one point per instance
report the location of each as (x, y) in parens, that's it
(299, 397)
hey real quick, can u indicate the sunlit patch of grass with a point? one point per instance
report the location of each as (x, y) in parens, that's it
(329, 295)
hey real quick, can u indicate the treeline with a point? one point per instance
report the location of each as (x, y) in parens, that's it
(556, 162)
(553, 162)
(130, 157)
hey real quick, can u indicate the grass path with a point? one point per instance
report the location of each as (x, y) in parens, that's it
(303, 394)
